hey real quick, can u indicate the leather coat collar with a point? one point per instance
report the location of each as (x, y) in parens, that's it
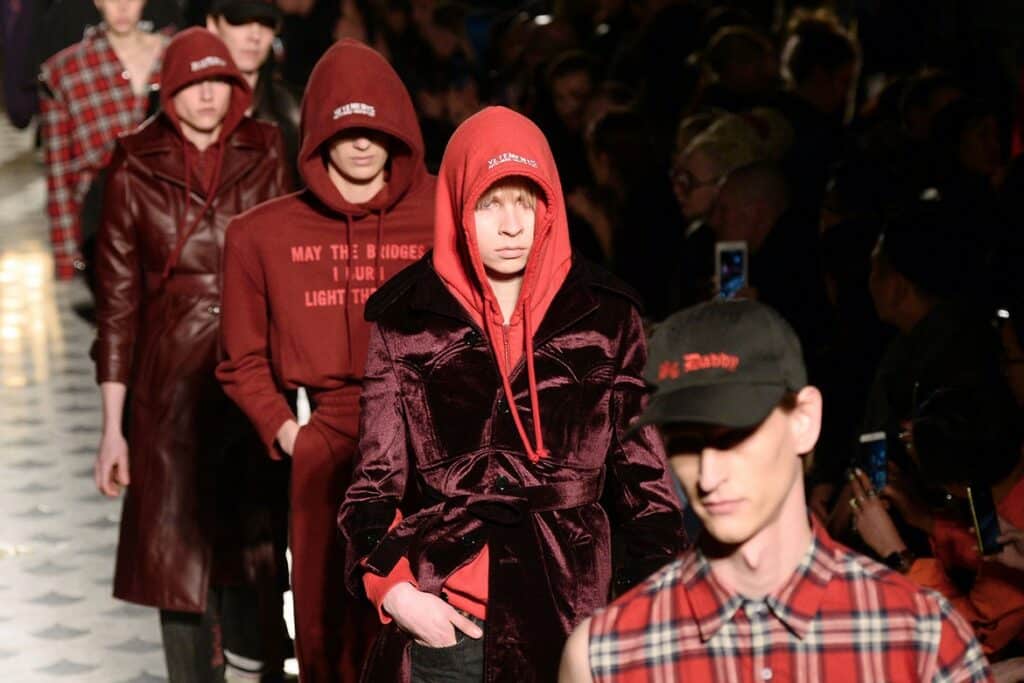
(157, 148)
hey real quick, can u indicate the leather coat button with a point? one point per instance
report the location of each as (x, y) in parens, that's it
(213, 309)
(471, 338)
(469, 540)
(502, 484)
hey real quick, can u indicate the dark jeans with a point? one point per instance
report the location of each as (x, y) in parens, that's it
(462, 662)
(194, 644)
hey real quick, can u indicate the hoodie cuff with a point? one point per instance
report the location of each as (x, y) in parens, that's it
(377, 587)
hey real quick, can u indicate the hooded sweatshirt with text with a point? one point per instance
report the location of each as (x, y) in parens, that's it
(299, 269)
(490, 146)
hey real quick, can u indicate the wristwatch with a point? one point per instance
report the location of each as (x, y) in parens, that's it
(901, 560)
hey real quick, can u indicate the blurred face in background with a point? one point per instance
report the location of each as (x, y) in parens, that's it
(570, 93)
(1013, 360)
(695, 182)
(979, 147)
(121, 16)
(248, 43)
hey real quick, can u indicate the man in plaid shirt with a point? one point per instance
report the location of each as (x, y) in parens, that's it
(766, 594)
(87, 100)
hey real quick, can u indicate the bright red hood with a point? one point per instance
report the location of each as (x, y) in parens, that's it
(493, 144)
(353, 86)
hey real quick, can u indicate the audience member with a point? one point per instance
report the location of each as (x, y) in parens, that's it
(961, 440)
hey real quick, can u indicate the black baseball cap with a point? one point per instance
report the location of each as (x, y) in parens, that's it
(244, 11)
(726, 363)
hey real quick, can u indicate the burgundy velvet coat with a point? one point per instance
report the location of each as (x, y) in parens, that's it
(189, 446)
(438, 442)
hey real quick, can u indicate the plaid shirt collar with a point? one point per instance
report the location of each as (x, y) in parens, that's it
(795, 604)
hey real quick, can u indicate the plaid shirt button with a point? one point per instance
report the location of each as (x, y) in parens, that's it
(766, 674)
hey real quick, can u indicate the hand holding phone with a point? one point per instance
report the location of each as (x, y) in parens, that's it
(873, 459)
(731, 268)
(985, 519)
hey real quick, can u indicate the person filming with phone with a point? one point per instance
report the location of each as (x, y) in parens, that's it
(784, 271)
(963, 486)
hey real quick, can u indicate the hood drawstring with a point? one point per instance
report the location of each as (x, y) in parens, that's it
(348, 285)
(534, 454)
(380, 243)
(172, 260)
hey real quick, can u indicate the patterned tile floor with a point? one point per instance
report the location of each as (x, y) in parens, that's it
(57, 534)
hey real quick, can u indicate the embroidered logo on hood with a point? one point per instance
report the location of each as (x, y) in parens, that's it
(354, 108)
(506, 157)
(206, 63)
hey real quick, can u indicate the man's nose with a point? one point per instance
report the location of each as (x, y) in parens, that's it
(713, 469)
(511, 223)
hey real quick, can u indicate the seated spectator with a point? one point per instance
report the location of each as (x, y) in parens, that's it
(754, 206)
(968, 158)
(569, 82)
(632, 212)
(743, 67)
(819, 65)
(701, 163)
(961, 437)
(917, 271)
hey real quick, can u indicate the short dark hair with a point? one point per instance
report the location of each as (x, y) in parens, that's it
(817, 43)
(735, 45)
(920, 88)
(968, 434)
(570, 62)
(923, 243)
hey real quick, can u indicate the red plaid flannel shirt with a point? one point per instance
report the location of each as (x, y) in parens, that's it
(841, 617)
(86, 102)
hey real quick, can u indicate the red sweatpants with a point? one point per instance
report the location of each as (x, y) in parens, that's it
(334, 631)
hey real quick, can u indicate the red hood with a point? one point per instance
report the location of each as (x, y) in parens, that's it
(493, 144)
(194, 55)
(353, 86)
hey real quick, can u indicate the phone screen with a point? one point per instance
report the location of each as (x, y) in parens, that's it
(873, 459)
(732, 272)
(986, 521)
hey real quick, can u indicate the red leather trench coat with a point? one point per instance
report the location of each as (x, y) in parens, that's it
(438, 442)
(188, 443)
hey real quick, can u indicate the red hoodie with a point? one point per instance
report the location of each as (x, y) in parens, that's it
(312, 259)
(493, 144)
(192, 56)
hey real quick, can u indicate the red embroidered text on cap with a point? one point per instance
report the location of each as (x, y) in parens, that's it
(692, 362)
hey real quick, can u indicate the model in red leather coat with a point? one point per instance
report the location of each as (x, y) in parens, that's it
(166, 208)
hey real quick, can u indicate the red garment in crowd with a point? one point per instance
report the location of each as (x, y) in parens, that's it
(994, 602)
(86, 102)
(840, 617)
(297, 274)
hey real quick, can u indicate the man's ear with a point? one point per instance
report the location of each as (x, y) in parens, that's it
(805, 419)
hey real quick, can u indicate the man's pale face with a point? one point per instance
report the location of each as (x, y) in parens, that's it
(249, 43)
(203, 105)
(505, 218)
(360, 155)
(696, 182)
(735, 480)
